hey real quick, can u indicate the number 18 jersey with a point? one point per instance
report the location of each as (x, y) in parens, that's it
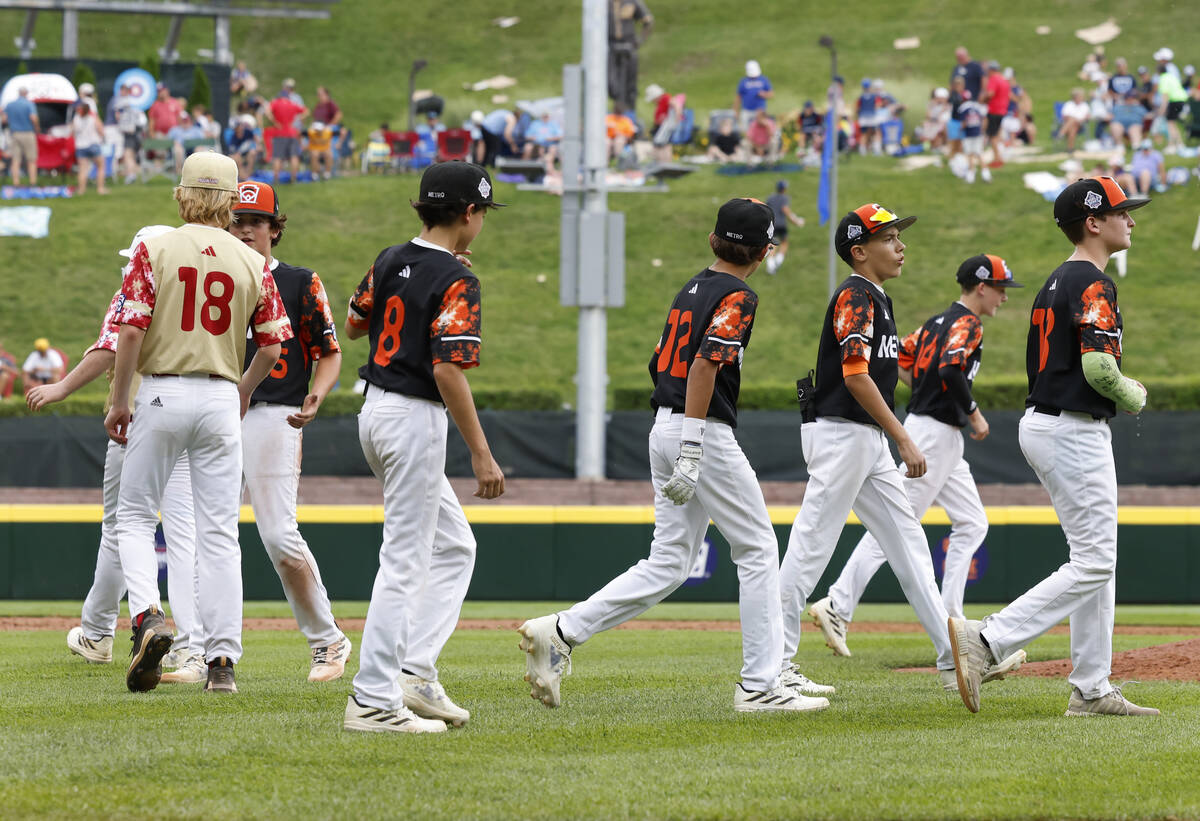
(711, 317)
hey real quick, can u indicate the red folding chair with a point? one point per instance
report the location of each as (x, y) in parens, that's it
(403, 145)
(453, 144)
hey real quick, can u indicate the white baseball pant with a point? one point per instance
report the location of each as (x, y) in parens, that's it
(949, 483)
(729, 493)
(201, 415)
(271, 465)
(851, 467)
(428, 549)
(1072, 457)
(103, 602)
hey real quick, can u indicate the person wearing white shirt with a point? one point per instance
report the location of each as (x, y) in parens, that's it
(1075, 114)
(43, 365)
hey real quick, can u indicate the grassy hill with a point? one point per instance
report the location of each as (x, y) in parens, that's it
(60, 286)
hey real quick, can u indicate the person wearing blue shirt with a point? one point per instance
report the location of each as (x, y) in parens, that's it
(542, 138)
(22, 119)
(753, 91)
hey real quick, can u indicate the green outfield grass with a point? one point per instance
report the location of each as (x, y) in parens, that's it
(646, 730)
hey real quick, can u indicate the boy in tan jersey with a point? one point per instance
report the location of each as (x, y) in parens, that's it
(186, 300)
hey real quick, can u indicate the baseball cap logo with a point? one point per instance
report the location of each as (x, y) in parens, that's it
(982, 272)
(853, 231)
(882, 215)
(484, 188)
(770, 230)
(248, 194)
(1092, 200)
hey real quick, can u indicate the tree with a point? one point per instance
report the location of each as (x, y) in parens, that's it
(151, 64)
(201, 90)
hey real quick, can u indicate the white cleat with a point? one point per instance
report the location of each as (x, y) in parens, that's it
(794, 680)
(191, 671)
(833, 626)
(778, 699)
(329, 663)
(428, 699)
(377, 720)
(547, 658)
(95, 651)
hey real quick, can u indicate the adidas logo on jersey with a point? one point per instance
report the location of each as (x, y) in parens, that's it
(694, 288)
(1053, 285)
(156, 402)
(406, 272)
(940, 320)
(209, 252)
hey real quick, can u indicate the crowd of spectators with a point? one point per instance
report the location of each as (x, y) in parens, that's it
(44, 365)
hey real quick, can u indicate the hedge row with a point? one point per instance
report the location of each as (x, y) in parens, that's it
(998, 393)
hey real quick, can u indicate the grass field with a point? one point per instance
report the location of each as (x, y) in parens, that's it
(646, 730)
(61, 286)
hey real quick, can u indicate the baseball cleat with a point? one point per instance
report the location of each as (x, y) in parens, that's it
(833, 626)
(220, 676)
(428, 699)
(973, 661)
(191, 671)
(329, 663)
(949, 680)
(95, 651)
(793, 679)
(1112, 703)
(178, 655)
(1010, 665)
(151, 641)
(778, 699)
(547, 658)
(377, 720)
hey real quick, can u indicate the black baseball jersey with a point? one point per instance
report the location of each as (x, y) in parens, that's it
(711, 317)
(1074, 312)
(421, 307)
(858, 324)
(313, 336)
(952, 339)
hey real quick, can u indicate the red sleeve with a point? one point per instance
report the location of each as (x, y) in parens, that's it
(725, 337)
(359, 314)
(318, 334)
(962, 339)
(1097, 319)
(270, 320)
(137, 291)
(455, 330)
(908, 349)
(109, 328)
(854, 323)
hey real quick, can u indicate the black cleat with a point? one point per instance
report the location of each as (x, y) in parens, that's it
(151, 641)
(220, 676)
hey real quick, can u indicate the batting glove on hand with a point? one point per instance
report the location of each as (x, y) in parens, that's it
(682, 485)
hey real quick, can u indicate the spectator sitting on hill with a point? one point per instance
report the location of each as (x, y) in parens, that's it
(1075, 115)
(164, 112)
(664, 130)
(619, 131)
(542, 138)
(8, 372)
(188, 129)
(1091, 67)
(1121, 82)
(498, 135)
(1115, 168)
(243, 145)
(725, 145)
(1102, 112)
(44, 365)
(1127, 116)
(810, 135)
(320, 150)
(761, 137)
(661, 100)
(1148, 169)
(1020, 112)
(932, 131)
(241, 82)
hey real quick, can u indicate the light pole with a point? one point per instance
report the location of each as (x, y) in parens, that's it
(412, 88)
(832, 128)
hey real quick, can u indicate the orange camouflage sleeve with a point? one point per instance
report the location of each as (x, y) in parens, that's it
(455, 330)
(724, 339)
(854, 323)
(908, 350)
(137, 291)
(359, 313)
(1097, 319)
(318, 334)
(270, 320)
(962, 339)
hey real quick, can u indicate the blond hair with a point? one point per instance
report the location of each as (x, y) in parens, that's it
(206, 206)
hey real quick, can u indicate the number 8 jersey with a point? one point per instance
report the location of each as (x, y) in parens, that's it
(421, 307)
(711, 317)
(194, 291)
(1074, 313)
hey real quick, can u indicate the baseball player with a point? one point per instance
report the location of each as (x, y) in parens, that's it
(1073, 359)
(92, 639)
(939, 361)
(273, 427)
(847, 422)
(187, 298)
(419, 305)
(781, 205)
(696, 462)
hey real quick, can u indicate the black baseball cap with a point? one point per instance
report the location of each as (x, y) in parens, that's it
(456, 182)
(1091, 197)
(864, 222)
(746, 221)
(987, 268)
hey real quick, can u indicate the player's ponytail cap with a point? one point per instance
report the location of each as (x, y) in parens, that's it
(456, 182)
(864, 222)
(208, 169)
(987, 268)
(256, 198)
(1091, 197)
(143, 234)
(746, 221)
